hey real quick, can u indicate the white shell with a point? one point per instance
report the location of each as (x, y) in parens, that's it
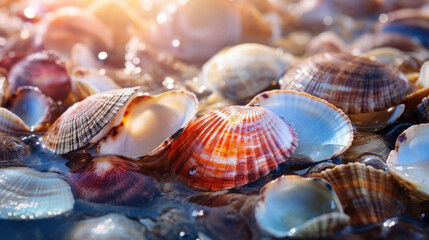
(11, 123)
(423, 81)
(28, 194)
(288, 203)
(149, 124)
(409, 162)
(323, 130)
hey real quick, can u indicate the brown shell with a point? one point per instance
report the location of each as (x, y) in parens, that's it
(371, 41)
(354, 84)
(11, 123)
(368, 195)
(85, 119)
(12, 151)
(422, 111)
(364, 143)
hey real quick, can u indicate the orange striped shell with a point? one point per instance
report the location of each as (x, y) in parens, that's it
(231, 147)
(354, 84)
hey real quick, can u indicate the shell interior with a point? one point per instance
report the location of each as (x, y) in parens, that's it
(28, 194)
(289, 202)
(409, 162)
(150, 123)
(324, 131)
(376, 120)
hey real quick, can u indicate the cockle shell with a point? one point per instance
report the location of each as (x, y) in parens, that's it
(409, 162)
(112, 180)
(12, 151)
(45, 70)
(324, 131)
(112, 226)
(28, 194)
(296, 206)
(368, 195)
(150, 124)
(367, 143)
(88, 120)
(242, 71)
(231, 147)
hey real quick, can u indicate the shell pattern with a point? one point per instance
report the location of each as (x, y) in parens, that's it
(231, 147)
(12, 151)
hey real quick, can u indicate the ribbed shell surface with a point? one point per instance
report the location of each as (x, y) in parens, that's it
(354, 84)
(85, 119)
(231, 147)
(28, 194)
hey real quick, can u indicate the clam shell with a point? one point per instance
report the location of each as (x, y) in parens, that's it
(29, 194)
(150, 124)
(354, 84)
(11, 123)
(231, 147)
(32, 106)
(368, 195)
(367, 143)
(324, 131)
(242, 71)
(291, 205)
(12, 151)
(408, 163)
(87, 120)
(113, 181)
(112, 226)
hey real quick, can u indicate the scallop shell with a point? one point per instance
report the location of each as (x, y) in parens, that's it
(295, 206)
(354, 84)
(33, 107)
(367, 143)
(45, 70)
(112, 226)
(242, 71)
(12, 151)
(11, 123)
(408, 163)
(150, 124)
(113, 181)
(87, 120)
(324, 131)
(231, 147)
(29, 194)
(368, 195)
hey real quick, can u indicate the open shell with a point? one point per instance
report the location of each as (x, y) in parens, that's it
(150, 124)
(231, 147)
(296, 206)
(83, 121)
(409, 162)
(368, 195)
(324, 131)
(29, 194)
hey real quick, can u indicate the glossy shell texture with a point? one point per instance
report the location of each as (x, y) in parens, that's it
(231, 147)
(409, 162)
(12, 151)
(11, 123)
(289, 203)
(368, 195)
(150, 124)
(84, 120)
(324, 131)
(114, 181)
(354, 84)
(242, 71)
(29, 194)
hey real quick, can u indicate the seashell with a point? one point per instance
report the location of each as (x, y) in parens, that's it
(197, 29)
(150, 124)
(423, 80)
(325, 42)
(112, 226)
(33, 107)
(288, 207)
(367, 195)
(28, 194)
(71, 25)
(371, 41)
(242, 71)
(231, 147)
(364, 143)
(11, 123)
(88, 120)
(324, 131)
(364, 89)
(408, 163)
(88, 81)
(82, 56)
(113, 181)
(44, 70)
(12, 151)
(422, 111)
(395, 59)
